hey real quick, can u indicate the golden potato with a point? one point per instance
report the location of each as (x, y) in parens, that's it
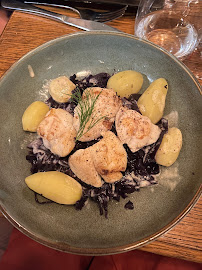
(55, 186)
(126, 82)
(61, 88)
(170, 147)
(152, 101)
(33, 115)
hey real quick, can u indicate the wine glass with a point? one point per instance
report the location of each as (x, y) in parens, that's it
(172, 24)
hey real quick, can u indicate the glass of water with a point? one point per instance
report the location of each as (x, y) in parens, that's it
(172, 24)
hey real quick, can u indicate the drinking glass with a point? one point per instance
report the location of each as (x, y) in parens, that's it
(173, 25)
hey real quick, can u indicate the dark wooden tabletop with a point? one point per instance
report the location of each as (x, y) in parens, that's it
(25, 32)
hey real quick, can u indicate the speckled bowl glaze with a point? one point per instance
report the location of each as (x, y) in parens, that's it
(156, 209)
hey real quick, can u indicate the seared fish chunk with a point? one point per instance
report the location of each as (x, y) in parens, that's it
(109, 157)
(57, 132)
(81, 163)
(106, 107)
(105, 159)
(135, 130)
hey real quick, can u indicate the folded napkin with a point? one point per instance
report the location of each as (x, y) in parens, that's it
(25, 254)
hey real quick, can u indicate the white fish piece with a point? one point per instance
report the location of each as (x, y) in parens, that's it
(135, 130)
(106, 106)
(106, 159)
(109, 157)
(57, 132)
(112, 177)
(81, 163)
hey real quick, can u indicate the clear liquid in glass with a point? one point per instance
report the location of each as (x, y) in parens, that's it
(169, 31)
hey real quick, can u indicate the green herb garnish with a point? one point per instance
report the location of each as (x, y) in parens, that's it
(85, 110)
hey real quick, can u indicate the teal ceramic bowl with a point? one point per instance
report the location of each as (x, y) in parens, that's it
(156, 209)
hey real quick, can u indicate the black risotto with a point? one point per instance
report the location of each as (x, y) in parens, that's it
(141, 166)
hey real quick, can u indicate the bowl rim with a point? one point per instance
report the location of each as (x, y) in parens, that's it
(58, 39)
(61, 246)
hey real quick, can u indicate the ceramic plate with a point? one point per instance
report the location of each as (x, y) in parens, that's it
(156, 209)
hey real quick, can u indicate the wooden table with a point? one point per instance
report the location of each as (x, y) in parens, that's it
(25, 32)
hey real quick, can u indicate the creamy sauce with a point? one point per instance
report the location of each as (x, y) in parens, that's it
(44, 92)
(27, 140)
(172, 119)
(170, 177)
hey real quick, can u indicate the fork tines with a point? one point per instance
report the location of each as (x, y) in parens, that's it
(110, 15)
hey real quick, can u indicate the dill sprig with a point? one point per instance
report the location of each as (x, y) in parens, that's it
(85, 110)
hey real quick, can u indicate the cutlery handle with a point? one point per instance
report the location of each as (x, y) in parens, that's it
(79, 23)
(15, 5)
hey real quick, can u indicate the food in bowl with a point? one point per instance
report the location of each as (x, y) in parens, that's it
(111, 143)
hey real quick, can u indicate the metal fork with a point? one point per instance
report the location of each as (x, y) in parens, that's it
(88, 14)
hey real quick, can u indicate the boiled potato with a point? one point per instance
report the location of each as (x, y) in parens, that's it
(55, 186)
(33, 115)
(61, 88)
(126, 82)
(152, 101)
(170, 147)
